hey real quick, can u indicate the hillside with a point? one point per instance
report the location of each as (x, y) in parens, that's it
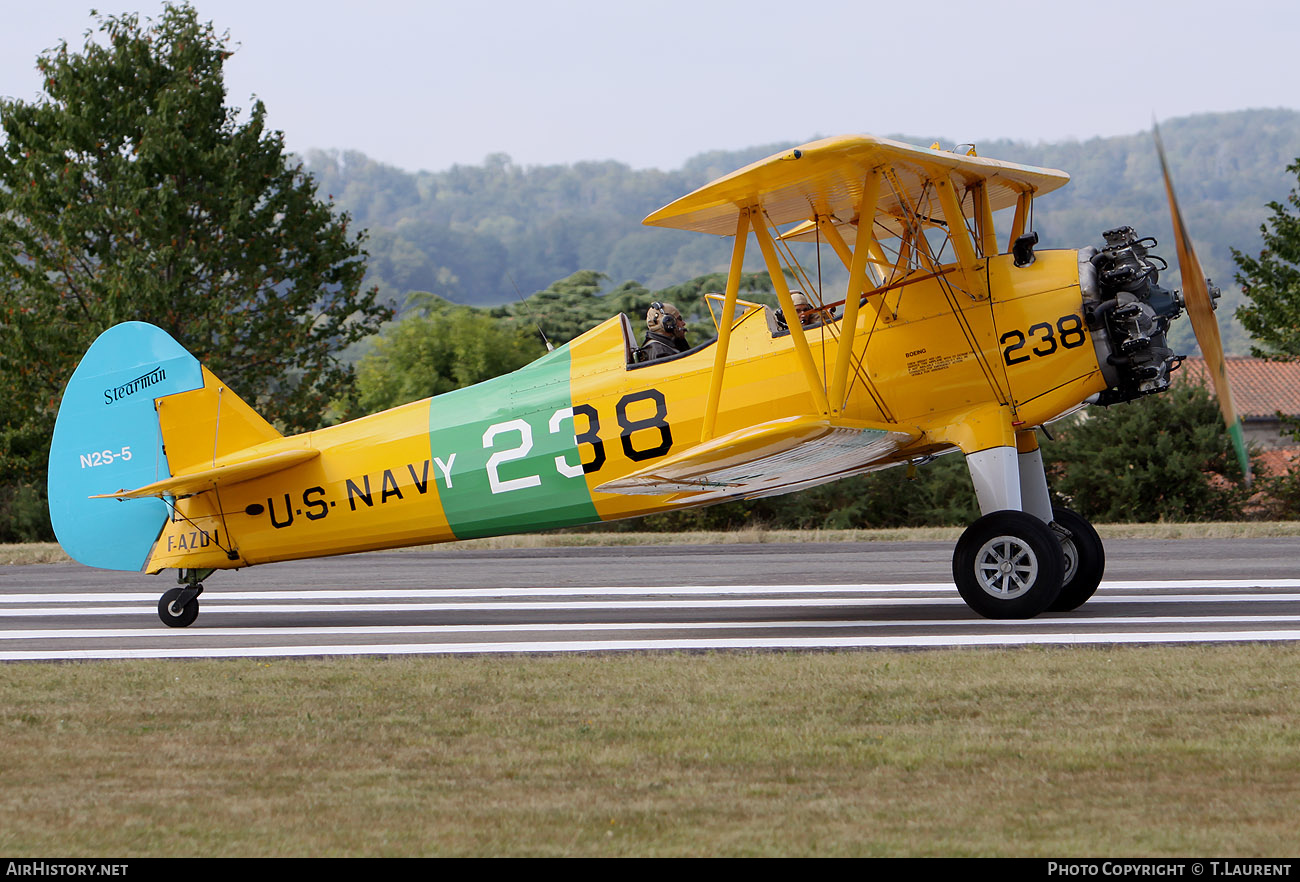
(472, 233)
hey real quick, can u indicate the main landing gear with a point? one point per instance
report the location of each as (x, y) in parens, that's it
(1024, 556)
(1008, 565)
(179, 607)
(1085, 559)
(1012, 565)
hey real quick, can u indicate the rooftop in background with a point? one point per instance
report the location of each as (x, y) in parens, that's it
(1259, 388)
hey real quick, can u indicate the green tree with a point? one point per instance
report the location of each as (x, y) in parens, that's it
(439, 346)
(131, 191)
(1161, 458)
(567, 307)
(935, 494)
(134, 192)
(1271, 282)
(572, 305)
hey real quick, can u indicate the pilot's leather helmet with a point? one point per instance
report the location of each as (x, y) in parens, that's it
(664, 318)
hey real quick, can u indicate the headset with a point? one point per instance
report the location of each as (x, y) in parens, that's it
(666, 319)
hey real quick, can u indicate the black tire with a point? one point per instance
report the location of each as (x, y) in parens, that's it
(1008, 565)
(1085, 561)
(177, 618)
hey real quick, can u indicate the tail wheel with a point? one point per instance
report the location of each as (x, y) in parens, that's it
(179, 607)
(1008, 565)
(1085, 561)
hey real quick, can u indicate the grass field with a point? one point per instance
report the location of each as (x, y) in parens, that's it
(1126, 751)
(1178, 751)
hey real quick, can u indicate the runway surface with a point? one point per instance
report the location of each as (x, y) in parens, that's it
(768, 596)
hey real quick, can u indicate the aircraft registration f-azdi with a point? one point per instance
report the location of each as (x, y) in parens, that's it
(949, 338)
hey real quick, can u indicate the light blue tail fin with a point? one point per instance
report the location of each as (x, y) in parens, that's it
(107, 438)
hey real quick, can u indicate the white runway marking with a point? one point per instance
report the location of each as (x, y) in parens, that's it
(651, 591)
(217, 604)
(965, 630)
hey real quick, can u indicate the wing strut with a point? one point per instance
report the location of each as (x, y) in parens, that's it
(815, 383)
(1024, 206)
(875, 261)
(987, 235)
(827, 226)
(957, 233)
(724, 325)
(857, 283)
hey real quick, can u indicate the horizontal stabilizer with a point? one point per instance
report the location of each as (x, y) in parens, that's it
(764, 459)
(217, 476)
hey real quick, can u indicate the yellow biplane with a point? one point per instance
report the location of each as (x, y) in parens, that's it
(947, 338)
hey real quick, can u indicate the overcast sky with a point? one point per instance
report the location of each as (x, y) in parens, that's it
(425, 85)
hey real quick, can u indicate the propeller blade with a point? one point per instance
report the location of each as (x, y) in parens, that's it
(1200, 309)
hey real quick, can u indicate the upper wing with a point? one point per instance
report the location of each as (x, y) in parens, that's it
(825, 178)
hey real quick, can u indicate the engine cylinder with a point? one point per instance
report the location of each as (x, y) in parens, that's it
(1128, 313)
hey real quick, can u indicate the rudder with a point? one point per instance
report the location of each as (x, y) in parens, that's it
(108, 437)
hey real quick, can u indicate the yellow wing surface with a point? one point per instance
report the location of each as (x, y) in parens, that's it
(825, 178)
(768, 458)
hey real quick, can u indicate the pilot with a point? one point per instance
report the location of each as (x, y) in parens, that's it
(804, 309)
(665, 332)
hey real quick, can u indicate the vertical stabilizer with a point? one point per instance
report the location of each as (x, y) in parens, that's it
(203, 425)
(107, 437)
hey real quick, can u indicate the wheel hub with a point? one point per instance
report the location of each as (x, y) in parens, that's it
(1071, 559)
(1006, 567)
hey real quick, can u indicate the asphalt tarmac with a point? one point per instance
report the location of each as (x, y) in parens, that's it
(812, 596)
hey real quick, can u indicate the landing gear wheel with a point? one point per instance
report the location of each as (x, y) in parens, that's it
(179, 607)
(1008, 565)
(1085, 561)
